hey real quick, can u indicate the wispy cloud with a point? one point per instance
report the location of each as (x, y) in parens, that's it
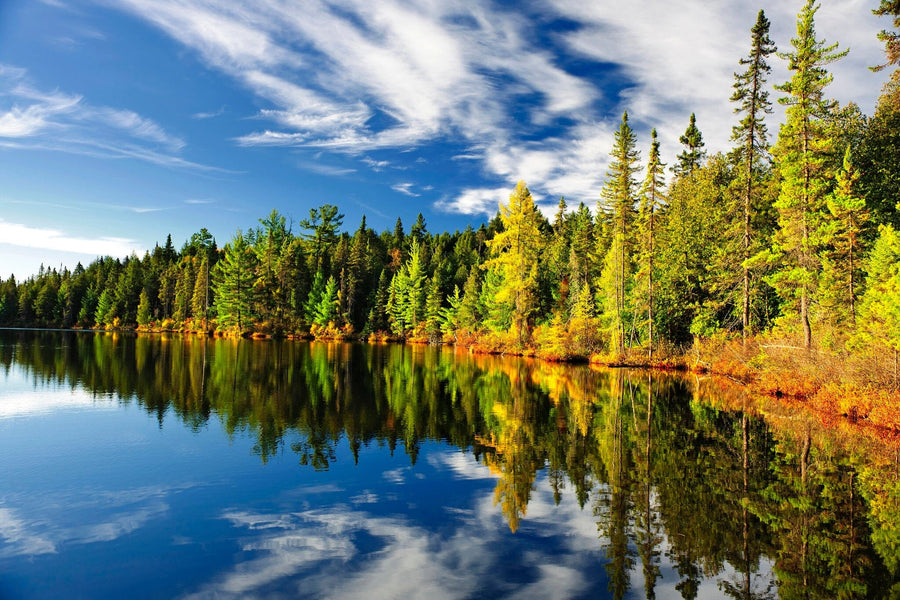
(359, 76)
(32, 119)
(323, 169)
(17, 234)
(375, 165)
(405, 189)
(211, 114)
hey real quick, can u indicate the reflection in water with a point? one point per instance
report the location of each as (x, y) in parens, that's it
(668, 479)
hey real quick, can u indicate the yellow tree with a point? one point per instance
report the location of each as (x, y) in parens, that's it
(514, 254)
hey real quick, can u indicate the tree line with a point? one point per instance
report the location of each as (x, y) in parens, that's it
(798, 234)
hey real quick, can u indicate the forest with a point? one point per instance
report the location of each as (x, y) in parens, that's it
(786, 243)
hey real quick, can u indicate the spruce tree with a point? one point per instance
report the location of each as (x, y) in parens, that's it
(803, 152)
(693, 153)
(651, 201)
(143, 309)
(751, 134)
(234, 291)
(514, 255)
(844, 234)
(620, 194)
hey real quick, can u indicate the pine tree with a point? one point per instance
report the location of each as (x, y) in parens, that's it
(844, 231)
(651, 201)
(880, 306)
(233, 285)
(327, 309)
(802, 152)
(314, 296)
(891, 39)
(323, 224)
(692, 156)
(200, 299)
(620, 194)
(514, 256)
(105, 313)
(751, 134)
(143, 309)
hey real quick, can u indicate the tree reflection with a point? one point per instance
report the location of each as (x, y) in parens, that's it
(674, 474)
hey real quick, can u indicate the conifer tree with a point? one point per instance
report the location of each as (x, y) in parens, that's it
(314, 296)
(844, 232)
(105, 308)
(143, 310)
(200, 299)
(327, 309)
(891, 39)
(693, 153)
(620, 194)
(234, 278)
(751, 134)
(514, 256)
(880, 306)
(803, 152)
(651, 201)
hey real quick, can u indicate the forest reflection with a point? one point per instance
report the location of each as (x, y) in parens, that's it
(664, 467)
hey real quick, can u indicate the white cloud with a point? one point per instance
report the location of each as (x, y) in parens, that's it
(31, 119)
(17, 234)
(475, 201)
(357, 76)
(405, 188)
(21, 540)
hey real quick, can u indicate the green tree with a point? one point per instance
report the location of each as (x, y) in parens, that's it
(841, 263)
(143, 310)
(514, 256)
(106, 311)
(803, 154)
(200, 299)
(620, 195)
(323, 225)
(651, 201)
(751, 134)
(880, 306)
(692, 155)
(233, 284)
(327, 307)
(891, 39)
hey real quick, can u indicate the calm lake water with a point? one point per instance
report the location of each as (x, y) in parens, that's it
(177, 467)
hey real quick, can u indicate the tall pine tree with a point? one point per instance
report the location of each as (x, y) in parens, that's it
(803, 152)
(753, 103)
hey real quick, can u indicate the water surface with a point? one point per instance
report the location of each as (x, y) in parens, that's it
(178, 467)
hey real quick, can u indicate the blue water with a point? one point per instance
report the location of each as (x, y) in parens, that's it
(105, 497)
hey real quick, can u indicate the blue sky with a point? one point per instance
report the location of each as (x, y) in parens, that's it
(122, 121)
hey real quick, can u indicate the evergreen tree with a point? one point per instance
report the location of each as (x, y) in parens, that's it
(651, 201)
(323, 224)
(143, 309)
(327, 309)
(184, 290)
(891, 39)
(880, 306)
(803, 152)
(105, 313)
(751, 135)
(200, 299)
(314, 296)
(514, 256)
(844, 232)
(692, 156)
(233, 285)
(620, 194)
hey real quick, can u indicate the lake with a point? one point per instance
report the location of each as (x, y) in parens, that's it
(179, 467)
